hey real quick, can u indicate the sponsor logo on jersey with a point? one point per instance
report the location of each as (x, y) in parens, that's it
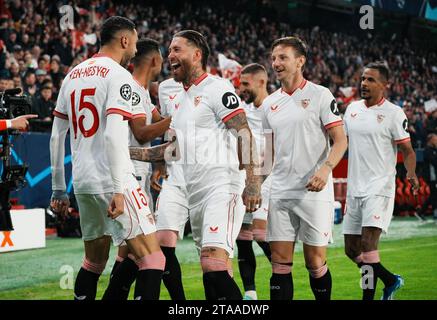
(405, 125)
(305, 103)
(380, 118)
(176, 105)
(353, 115)
(274, 107)
(230, 100)
(376, 217)
(126, 92)
(197, 100)
(213, 229)
(334, 108)
(172, 97)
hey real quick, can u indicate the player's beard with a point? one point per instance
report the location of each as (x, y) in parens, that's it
(249, 96)
(183, 73)
(365, 95)
(125, 60)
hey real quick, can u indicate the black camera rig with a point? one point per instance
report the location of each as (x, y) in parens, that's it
(13, 176)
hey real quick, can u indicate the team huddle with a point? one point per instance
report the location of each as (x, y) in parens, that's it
(238, 164)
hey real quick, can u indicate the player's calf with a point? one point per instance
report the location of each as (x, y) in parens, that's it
(85, 287)
(150, 269)
(217, 282)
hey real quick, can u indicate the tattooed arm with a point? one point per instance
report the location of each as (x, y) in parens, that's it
(248, 158)
(161, 152)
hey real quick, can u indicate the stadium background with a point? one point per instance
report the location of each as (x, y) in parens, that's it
(36, 53)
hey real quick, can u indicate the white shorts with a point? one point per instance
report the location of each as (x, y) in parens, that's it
(261, 213)
(371, 211)
(310, 221)
(217, 221)
(136, 219)
(172, 209)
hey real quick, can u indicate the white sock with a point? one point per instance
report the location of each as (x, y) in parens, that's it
(251, 294)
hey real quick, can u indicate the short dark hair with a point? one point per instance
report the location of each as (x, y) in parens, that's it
(253, 68)
(198, 40)
(144, 48)
(112, 25)
(382, 67)
(296, 43)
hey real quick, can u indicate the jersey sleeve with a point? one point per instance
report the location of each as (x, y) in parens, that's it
(137, 105)
(120, 96)
(265, 122)
(225, 103)
(61, 106)
(399, 128)
(163, 101)
(329, 113)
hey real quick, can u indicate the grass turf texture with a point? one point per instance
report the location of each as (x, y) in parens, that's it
(409, 249)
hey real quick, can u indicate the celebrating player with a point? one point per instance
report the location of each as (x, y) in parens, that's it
(94, 101)
(253, 90)
(302, 116)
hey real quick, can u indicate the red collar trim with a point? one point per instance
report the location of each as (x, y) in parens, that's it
(380, 102)
(197, 81)
(301, 86)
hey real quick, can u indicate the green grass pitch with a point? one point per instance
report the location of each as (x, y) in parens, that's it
(410, 249)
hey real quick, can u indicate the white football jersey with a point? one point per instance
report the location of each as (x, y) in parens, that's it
(299, 121)
(142, 107)
(167, 91)
(93, 89)
(208, 149)
(373, 134)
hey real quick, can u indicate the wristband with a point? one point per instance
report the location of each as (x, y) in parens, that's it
(8, 124)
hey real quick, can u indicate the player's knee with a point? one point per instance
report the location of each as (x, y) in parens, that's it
(96, 267)
(281, 267)
(167, 238)
(245, 234)
(153, 261)
(317, 271)
(351, 253)
(210, 264)
(259, 235)
(368, 245)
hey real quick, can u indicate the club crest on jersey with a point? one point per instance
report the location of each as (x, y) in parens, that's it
(380, 118)
(305, 103)
(274, 108)
(126, 92)
(135, 99)
(197, 100)
(230, 100)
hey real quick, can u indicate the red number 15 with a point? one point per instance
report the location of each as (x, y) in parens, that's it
(84, 105)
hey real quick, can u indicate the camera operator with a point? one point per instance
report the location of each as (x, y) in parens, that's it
(19, 123)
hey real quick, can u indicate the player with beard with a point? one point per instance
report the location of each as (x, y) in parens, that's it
(376, 129)
(303, 116)
(146, 124)
(207, 110)
(253, 91)
(94, 101)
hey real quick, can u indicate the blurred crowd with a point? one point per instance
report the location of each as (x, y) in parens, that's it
(36, 52)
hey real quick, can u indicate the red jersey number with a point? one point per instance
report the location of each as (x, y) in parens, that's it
(84, 105)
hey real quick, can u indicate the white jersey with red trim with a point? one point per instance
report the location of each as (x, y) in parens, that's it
(374, 133)
(299, 121)
(93, 89)
(208, 149)
(167, 91)
(142, 107)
